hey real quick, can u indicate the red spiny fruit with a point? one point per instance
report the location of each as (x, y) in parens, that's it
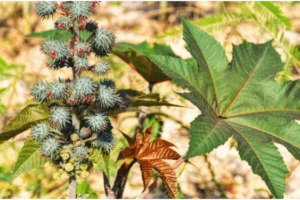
(55, 124)
(49, 94)
(72, 47)
(81, 51)
(113, 44)
(61, 25)
(81, 27)
(77, 70)
(97, 25)
(95, 3)
(80, 19)
(70, 102)
(61, 6)
(89, 130)
(47, 64)
(52, 55)
(42, 155)
(86, 98)
(104, 127)
(68, 80)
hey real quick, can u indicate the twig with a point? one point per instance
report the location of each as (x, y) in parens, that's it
(219, 186)
(72, 188)
(121, 178)
(142, 115)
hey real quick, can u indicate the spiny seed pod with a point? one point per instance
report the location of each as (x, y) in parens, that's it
(102, 68)
(59, 90)
(81, 63)
(108, 83)
(57, 64)
(60, 117)
(108, 97)
(55, 49)
(45, 9)
(91, 26)
(63, 23)
(40, 90)
(97, 122)
(66, 6)
(80, 154)
(81, 49)
(83, 87)
(81, 9)
(40, 132)
(49, 147)
(105, 142)
(104, 39)
(99, 52)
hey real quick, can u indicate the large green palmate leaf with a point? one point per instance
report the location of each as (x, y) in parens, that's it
(239, 99)
(28, 117)
(133, 55)
(29, 158)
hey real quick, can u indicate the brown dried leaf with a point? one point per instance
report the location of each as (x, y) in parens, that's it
(168, 175)
(128, 152)
(149, 156)
(161, 153)
(146, 168)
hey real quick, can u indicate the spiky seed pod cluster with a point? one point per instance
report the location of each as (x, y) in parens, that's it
(103, 42)
(45, 9)
(57, 64)
(63, 23)
(60, 117)
(102, 68)
(91, 26)
(79, 108)
(81, 49)
(40, 132)
(40, 90)
(84, 87)
(81, 64)
(81, 9)
(97, 121)
(56, 50)
(105, 141)
(49, 148)
(58, 90)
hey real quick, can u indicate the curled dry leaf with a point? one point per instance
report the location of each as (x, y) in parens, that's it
(149, 155)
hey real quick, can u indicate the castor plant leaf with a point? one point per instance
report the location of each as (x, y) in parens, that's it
(29, 158)
(240, 99)
(30, 116)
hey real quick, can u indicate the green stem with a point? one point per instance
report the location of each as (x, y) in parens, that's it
(55, 131)
(219, 186)
(90, 139)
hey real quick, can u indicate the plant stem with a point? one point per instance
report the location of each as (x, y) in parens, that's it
(142, 115)
(75, 121)
(219, 186)
(72, 188)
(123, 171)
